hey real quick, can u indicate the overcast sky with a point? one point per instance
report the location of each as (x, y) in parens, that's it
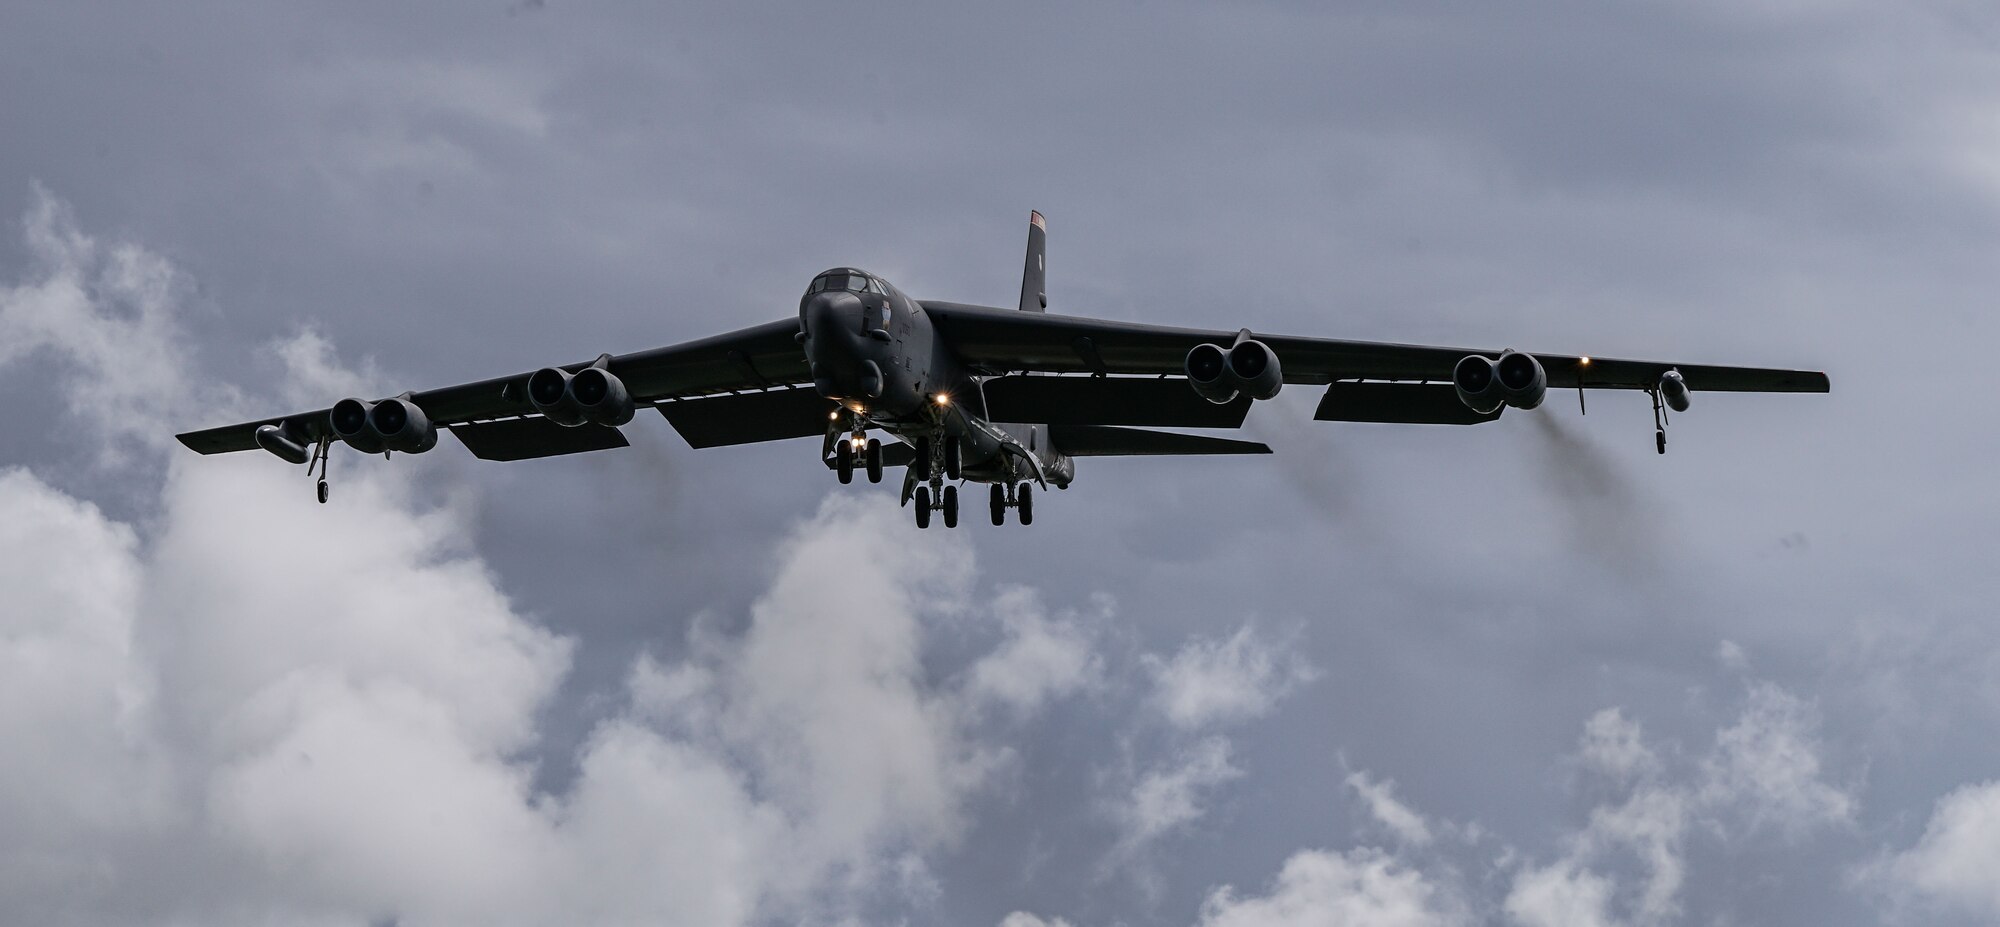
(1529, 673)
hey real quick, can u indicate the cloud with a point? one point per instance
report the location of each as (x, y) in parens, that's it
(1039, 659)
(1380, 797)
(1318, 888)
(1210, 681)
(1762, 775)
(333, 713)
(1953, 864)
(1171, 797)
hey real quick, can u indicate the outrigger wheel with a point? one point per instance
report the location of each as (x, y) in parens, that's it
(922, 501)
(322, 491)
(843, 460)
(874, 460)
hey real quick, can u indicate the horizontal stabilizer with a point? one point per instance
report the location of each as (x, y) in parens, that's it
(530, 438)
(1105, 441)
(1152, 401)
(749, 418)
(1406, 403)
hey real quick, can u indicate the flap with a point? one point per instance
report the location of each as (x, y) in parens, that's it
(1409, 403)
(530, 438)
(748, 418)
(1168, 402)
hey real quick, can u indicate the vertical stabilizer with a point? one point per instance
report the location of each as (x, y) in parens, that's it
(1034, 293)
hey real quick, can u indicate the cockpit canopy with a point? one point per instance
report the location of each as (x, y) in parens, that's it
(846, 278)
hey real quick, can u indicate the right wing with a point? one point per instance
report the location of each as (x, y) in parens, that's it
(757, 358)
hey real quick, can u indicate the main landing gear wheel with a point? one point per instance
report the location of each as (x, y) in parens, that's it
(920, 465)
(843, 461)
(951, 506)
(951, 458)
(1024, 499)
(874, 460)
(922, 501)
(999, 504)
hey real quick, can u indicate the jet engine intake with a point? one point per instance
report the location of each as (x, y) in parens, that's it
(1208, 372)
(1523, 382)
(401, 426)
(601, 397)
(349, 420)
(1674, 390)
(549, 393)
(1253, 368)
(1477, 380)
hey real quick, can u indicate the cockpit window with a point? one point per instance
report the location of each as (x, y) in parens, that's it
(856, 283)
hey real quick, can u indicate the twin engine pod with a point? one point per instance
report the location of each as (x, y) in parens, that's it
(1248, 367)
(1484, 384)
(390, 425)
(589, 396)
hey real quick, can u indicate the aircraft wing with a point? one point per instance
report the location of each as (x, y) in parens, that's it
(494, 419)
(1001, 341)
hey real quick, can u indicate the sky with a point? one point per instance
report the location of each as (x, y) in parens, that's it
(1530, 673)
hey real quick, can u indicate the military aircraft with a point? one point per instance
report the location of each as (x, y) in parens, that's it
(1006, 397)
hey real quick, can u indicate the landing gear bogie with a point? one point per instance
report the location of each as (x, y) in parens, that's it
(843, 461)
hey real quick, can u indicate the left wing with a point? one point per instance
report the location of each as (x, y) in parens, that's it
(1000, 341)
(754, 358)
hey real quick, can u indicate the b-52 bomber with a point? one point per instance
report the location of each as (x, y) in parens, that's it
(1005, 397)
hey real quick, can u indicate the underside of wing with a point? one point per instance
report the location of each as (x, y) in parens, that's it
(757, 358)
(1107, 441)
(1003, 341)
(1404, 403)
(1151, 401)
(532, 438)
(749, 418)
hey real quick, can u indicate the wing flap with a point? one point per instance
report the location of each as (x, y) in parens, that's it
(1407, 403)
(1107, 441)
(1151, 401)
(749, 418)
(532, 438)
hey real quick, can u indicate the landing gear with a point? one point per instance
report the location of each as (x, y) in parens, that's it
(923, 505)
(319, 460)
(1659, 421)
(843, 461)
(1006, 496)
(921, 463)
(951, 455)
(950, 506)
(874, 459)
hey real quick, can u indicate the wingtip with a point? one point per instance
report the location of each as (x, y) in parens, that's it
(1035, 219)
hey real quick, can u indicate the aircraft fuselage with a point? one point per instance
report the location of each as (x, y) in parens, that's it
(874, 350)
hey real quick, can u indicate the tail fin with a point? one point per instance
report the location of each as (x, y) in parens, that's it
(1034, 293)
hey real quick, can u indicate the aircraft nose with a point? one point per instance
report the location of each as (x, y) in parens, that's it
(830, 312)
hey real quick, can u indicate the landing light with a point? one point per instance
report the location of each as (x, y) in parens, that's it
(857, 442)
(833, 416)
(943, 399)
(1583, 362)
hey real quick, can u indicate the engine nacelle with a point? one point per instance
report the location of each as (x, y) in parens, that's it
(1674, 390)
(549, 393)
(1477, 380)
(1253, 369)
(1523, 382)
(1208, 372)
(601, 397)
(349, 420)
(389, 425)
(401, 426)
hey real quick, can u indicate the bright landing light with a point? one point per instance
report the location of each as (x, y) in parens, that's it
(943, 399)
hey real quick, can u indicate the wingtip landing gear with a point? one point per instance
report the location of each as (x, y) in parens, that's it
(318, 461)
(1659, 421)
